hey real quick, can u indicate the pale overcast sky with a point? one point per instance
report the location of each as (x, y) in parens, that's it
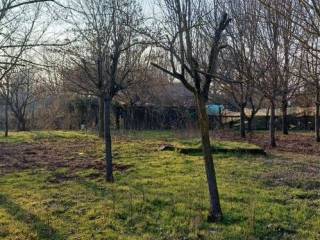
(57, 28)
(148, 6)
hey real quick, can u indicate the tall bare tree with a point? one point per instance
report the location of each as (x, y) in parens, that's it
(105, 54)
(308, 20)
(193, 39)
(289, 49)
(304, 17)
(309, 72)
(18, 22)
(242, 62)
(271, 54)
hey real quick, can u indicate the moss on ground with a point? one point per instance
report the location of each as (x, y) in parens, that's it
(194, 147)
(163, 195)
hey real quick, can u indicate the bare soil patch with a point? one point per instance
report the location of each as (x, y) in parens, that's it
(73, 155)
(294, 170)
(301, 143)
(302, 178)
(295, 161)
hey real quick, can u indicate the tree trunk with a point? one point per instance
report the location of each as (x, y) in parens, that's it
(285, 128)
(267, 119)
(21, 124)
(250, 124)
(305, 120)
(221, 118)
(116, 111)
(317, 123)
(117, 122)
(242, 122)
(6, 133)
(107, 140)
(101, 116)
(317, 117)
(215, 213)
(272, 127)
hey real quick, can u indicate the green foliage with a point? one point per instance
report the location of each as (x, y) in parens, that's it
(163, 195)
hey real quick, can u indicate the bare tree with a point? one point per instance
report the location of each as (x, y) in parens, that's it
(16, 28)
(271, 54)
(105, 54)
(309, 71)
(18, 22)
(303, 17)
(308, 20)
(193, 42)
(242, 62)
(289, 62)
(21, 94)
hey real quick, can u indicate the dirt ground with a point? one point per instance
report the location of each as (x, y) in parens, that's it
(301, 143)
(73, 155)
(84, 154)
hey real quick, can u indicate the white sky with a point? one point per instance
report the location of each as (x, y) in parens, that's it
(147, 6)
(57, 28)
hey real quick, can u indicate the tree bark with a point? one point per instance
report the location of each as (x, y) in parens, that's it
(285, 128)
(250, 124)
(317, 117)
(116, 112)
(107, 139)
(317, 123)
(272, 127)
(267, 119)
(242, 122)
(6, 133)
(305, 121)
(101, 116)
(215, 213)
(117, 121)
(21, 124)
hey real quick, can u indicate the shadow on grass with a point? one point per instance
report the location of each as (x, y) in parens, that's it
(232, 219)
(235, 154)
(44, 231)
(93, 187)
(216, 150)
(259, 229)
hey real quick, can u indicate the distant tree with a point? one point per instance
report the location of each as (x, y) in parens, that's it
(310, 72)
(289, 48)
(301, 22)
(18, 22)
(271, 53)
(21, 94)
(242, 62)
(307, 16)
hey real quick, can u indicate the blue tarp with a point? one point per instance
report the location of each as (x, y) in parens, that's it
(214, 109)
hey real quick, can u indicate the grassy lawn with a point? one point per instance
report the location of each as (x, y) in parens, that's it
(157, 194)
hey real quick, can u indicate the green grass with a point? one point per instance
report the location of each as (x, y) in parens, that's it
(195, 143)
(163, 195)
(35, 136)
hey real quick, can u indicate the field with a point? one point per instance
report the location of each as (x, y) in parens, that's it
(52, 187)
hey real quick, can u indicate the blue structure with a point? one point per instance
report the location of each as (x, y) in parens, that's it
(214, 109)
